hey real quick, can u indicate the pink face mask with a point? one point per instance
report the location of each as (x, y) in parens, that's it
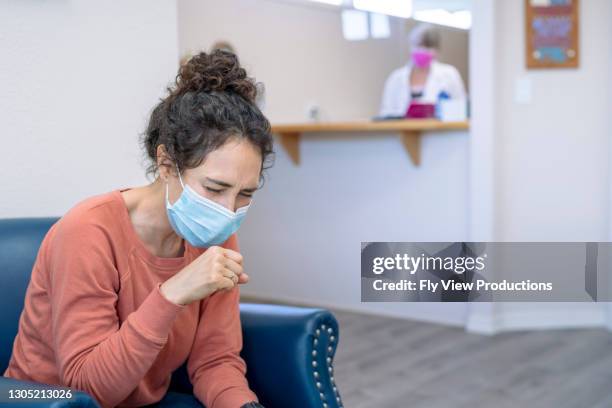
(422, 57)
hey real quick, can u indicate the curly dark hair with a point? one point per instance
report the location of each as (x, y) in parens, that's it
(211, 102)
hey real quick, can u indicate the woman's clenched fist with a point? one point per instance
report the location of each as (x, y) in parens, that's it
(216, 269)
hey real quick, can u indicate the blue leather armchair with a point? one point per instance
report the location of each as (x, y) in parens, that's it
(289, 351)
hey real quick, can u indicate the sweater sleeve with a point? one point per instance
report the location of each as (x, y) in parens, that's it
(215, 367)
(94, 351)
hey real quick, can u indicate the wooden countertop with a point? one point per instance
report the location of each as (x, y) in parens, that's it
(409, 129)
(370, 126)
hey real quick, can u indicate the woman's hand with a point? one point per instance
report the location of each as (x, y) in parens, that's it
(216, 269)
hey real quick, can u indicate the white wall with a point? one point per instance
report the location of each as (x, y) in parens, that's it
(609, 308)
(553, 152)
(299, 52)
(78, 79)
(553, 179)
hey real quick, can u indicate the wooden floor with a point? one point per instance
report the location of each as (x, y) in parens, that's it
(394, 363)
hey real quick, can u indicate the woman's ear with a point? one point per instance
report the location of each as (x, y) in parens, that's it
(165, 165)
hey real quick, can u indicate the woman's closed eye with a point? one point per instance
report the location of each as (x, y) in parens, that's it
(218, 191)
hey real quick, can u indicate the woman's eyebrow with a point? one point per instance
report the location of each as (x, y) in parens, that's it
(224, 184)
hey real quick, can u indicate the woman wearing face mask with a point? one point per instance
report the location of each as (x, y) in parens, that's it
(131, 283)
(423, 79)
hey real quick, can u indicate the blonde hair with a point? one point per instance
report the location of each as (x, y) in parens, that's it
(425, 35)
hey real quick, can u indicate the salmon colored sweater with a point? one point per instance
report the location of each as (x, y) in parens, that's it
(95, 320)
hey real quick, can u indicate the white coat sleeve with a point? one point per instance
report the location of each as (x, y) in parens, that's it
(455, 84)
(387, 105)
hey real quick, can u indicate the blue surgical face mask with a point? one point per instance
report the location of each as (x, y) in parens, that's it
(200, 221)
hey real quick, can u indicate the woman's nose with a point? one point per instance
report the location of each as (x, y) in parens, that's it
(230, 204)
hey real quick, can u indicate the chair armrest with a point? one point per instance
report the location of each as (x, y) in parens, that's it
(79, 399)
(289, 353)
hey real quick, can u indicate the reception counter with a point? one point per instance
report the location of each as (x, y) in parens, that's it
(409, 130)
(355, 183)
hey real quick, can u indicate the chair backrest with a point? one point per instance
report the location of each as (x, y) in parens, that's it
(20, 239)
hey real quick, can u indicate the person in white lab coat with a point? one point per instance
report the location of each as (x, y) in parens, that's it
(423, 78)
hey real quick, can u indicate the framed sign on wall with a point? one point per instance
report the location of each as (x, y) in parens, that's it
(551, 33)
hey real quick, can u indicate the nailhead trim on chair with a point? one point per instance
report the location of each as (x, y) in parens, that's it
(326, 330)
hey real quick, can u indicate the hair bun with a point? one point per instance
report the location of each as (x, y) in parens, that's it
(218, 71)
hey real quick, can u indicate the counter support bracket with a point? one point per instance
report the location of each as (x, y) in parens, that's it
(291, 143)
(411, 139)
(412, 143)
